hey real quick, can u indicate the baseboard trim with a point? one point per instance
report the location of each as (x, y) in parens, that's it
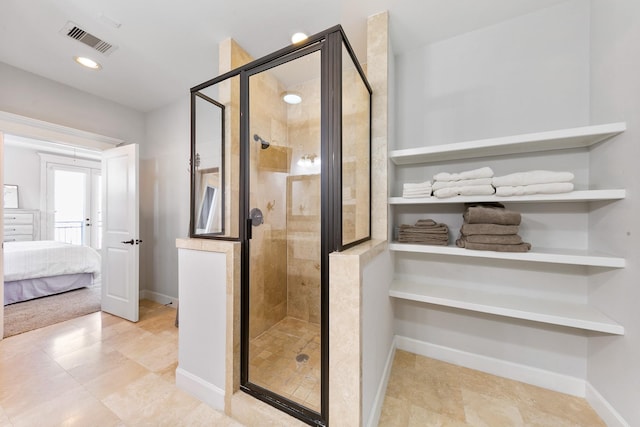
(609, 415)
(159, 298)
(376, 408)
(526, 374)
(200, 389)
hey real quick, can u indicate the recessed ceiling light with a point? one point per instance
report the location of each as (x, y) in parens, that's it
(298, 37)
(87, 62)
(291, 98)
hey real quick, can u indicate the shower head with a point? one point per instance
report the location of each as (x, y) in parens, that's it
(263, 144)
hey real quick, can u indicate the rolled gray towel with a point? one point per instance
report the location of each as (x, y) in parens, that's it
(500, 239)
(425, 241)
(422, 236)
(404, 228)
(491, 215)
(522, 247)
(472, 229)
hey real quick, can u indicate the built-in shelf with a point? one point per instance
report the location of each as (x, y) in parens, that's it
(470, 296)
(573, 315)
(554, 256)
(574, 196)
(526, 143)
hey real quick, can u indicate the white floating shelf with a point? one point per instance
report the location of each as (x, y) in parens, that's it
(526, 143)
(574, 315)
(574, 196)
(554, 256)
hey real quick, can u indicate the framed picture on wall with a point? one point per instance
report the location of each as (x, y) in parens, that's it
(10, 196)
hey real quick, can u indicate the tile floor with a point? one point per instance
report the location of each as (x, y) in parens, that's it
(273, 361)
(99, 370)
(427, 392)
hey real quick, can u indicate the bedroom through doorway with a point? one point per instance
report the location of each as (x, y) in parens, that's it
(52, 233)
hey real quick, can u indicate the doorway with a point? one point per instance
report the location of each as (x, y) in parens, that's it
(285, 262)
(81, 141)
(72, 202)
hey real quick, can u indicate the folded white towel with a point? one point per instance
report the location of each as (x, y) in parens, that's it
(468, 190)
(523, 190)
(462, 183)
(416, 196)
(484, 172)
(411, 185)
(532, 177)
(415, 193)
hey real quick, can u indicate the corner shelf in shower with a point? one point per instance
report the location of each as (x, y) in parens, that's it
(581, 316)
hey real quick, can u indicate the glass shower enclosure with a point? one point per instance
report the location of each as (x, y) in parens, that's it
(281, 161)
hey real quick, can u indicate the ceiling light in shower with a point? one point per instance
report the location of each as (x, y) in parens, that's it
(298, 37)
(292, 97)
(87, 62)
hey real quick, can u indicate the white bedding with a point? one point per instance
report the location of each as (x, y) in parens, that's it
(27, 260)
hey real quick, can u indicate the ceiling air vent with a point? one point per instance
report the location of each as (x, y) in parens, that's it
(77, 33)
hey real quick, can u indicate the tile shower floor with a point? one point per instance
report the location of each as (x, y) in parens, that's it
(286, 360)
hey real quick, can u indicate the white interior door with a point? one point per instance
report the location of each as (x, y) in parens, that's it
(120, 225)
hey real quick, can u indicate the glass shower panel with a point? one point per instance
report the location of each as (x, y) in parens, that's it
(356, 157)
(285, 254)
(215, 160)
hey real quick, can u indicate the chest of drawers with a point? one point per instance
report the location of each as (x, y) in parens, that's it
(21, 225)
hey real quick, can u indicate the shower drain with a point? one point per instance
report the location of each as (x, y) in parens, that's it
(302, 358)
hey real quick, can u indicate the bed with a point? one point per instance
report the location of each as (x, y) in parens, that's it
(45, 267)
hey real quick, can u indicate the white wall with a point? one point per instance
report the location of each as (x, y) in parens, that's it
(528, 74)
(33, 96)
(614, 362)
(164, 196)
(22, 168)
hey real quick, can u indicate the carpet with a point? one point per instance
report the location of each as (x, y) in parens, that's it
(40, 312)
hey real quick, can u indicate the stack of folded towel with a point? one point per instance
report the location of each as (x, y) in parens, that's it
(491, 227)
(475, 182)
(425, 231)
(416, 190)
(533, 182)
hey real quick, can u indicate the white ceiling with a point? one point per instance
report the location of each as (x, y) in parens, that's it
(167, 46)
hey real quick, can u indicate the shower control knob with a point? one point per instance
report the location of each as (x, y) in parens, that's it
(256, 217)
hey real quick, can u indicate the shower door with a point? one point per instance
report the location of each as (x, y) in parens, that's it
(284, 362)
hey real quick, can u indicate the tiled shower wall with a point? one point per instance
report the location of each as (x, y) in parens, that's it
(288, 194)
(268, 297)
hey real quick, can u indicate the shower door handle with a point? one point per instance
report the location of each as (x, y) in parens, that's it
(256, 217)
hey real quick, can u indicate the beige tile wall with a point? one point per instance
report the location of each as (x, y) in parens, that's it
(303, 203)
(268, 117)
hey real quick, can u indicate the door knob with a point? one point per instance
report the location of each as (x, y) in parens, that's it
(127, 242)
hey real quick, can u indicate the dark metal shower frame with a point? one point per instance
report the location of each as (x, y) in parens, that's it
(330, 43)
(193, 162)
